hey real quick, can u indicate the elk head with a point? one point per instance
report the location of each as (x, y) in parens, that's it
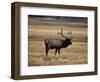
(67, 37)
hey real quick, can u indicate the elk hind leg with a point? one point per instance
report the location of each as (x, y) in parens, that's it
(46, 51)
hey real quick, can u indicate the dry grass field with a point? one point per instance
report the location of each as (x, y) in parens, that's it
(39, 30)
(73, 54)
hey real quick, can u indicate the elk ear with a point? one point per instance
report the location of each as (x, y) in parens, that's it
(70, 39)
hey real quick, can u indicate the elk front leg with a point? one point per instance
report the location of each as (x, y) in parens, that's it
(56, 51)
(59, 51)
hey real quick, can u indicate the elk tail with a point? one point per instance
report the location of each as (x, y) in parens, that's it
(46, 42)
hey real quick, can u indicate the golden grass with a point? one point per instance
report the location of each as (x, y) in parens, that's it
(74, 54)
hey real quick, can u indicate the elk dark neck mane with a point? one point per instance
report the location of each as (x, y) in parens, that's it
(65, 43)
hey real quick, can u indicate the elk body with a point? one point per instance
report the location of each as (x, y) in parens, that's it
(58, 44)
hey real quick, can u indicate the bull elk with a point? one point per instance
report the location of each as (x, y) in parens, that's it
(58, 44)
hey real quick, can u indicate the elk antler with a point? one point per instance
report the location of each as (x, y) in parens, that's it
(61, 33)
(70, 33)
